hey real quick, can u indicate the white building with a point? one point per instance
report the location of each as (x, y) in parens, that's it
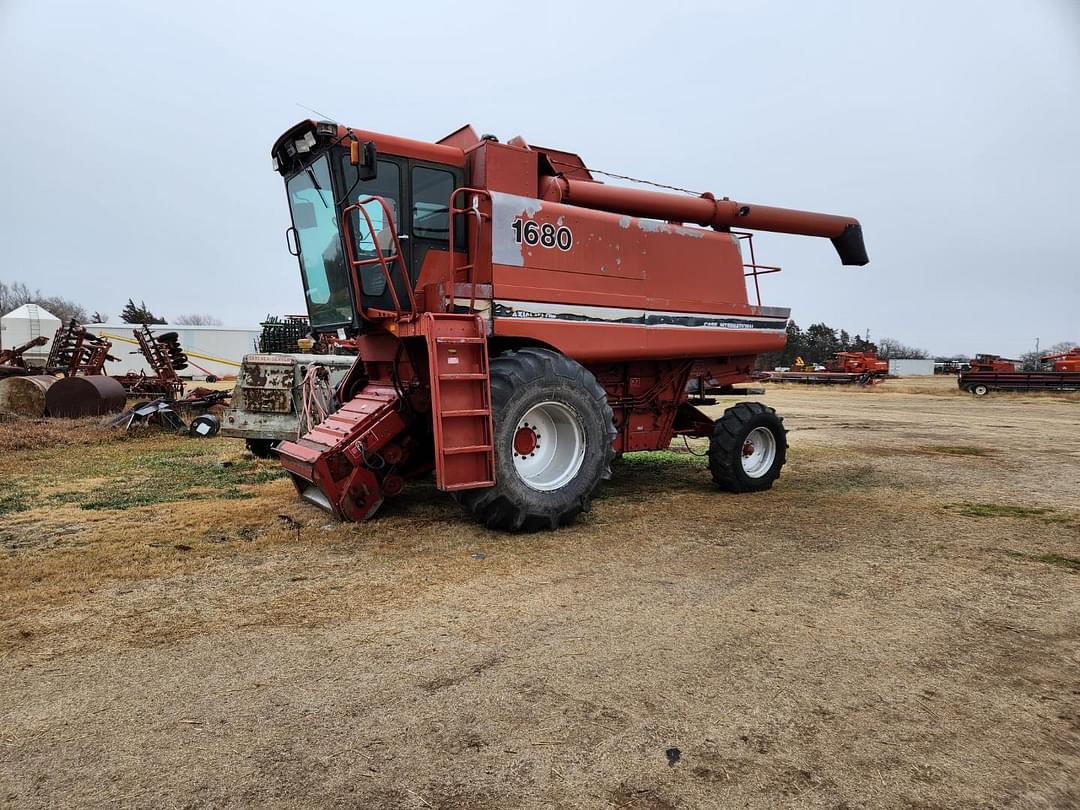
(909, 367)
(24, 324)
(216, 350)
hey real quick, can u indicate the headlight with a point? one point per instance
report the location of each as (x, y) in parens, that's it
(304, 144)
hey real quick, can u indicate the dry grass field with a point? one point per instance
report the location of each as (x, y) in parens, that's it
(896, 624)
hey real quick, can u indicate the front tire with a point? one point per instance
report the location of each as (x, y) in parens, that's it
(979, 390)
(748, 448)
(553, 441)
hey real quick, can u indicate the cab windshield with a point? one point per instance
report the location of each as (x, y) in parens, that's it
(322, 263)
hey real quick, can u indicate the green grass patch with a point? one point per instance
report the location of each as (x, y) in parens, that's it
(1060, 560)
(661, 458)
(1043, 514)
(13, 501)
(998, 510)
(171, 476)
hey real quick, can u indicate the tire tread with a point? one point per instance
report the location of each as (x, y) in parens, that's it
(510, 372)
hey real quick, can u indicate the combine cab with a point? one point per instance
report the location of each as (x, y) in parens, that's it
(518, 322)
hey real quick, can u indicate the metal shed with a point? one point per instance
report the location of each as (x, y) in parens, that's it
(216, 350)
(910, 367)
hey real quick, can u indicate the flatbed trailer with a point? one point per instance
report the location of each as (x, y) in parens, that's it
(980, 383)
(818, 377)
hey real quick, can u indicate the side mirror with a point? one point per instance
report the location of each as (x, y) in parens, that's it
(362, 156)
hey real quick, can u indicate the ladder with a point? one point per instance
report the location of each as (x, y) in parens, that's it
(460, 401)
(35, 321)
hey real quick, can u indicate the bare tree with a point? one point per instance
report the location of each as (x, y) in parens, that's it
(13, 296)
(1063, 347)
(893, 349)
(196, 319)
(1032, 361)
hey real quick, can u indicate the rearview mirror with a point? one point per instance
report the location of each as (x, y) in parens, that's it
(304, 214)
(362, 156)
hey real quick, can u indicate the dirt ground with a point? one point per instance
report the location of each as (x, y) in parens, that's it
(895, 624)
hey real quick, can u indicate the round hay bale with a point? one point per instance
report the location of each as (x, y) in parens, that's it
(24, 396)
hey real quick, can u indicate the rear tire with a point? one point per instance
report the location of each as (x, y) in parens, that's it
(553, 442)
(748, 448)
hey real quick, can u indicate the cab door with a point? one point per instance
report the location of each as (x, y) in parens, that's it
(430, 187)
(371, 239)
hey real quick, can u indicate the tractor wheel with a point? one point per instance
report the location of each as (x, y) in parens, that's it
(748, 448)
(553, 442)
(979, 390)
(260, 448)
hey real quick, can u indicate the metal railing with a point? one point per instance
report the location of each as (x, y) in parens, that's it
(384, 262)
(472, 208)
(754, 269)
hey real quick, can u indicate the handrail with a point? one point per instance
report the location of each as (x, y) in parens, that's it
(379, 258)
(755, 268)
(470, 267)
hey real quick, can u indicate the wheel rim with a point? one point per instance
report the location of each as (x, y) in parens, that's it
(980, 390)
(758, 452)
(548, 446)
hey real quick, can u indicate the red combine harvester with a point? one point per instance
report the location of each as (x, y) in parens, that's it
(858, 363)
(1066, 361)
(845, 368)
(518, 322)
(993, 363)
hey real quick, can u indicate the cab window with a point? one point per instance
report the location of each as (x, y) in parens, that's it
(431, 190)
(378, 237)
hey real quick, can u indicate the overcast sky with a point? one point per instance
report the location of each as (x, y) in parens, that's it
(137, 138)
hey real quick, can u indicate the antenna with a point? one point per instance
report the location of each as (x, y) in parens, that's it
(321, 115)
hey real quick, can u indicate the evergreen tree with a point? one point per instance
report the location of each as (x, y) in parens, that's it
(139, 314)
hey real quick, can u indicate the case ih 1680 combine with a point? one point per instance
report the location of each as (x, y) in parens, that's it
(518, 323)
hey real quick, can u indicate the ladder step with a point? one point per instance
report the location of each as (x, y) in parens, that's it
(463, 376)
(460, 340)
(472, 448)
(468, 412)
(469, 485)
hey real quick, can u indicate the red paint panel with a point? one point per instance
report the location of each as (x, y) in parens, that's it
(615, 261)
(595, 342)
